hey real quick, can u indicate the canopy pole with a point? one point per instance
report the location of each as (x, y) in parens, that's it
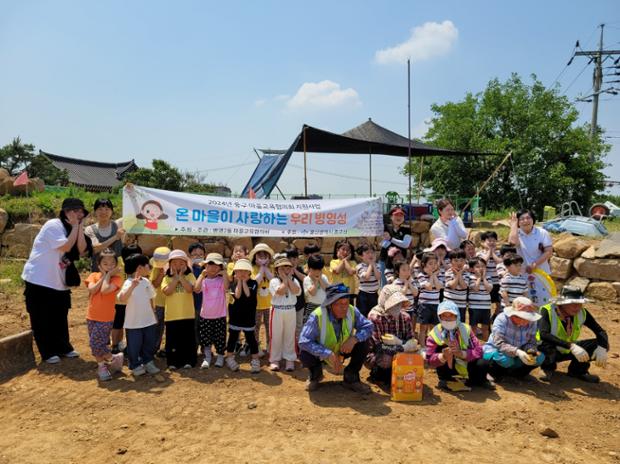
(305, 166)
(420, 178)
(409, 138)
(488, 180)
(259, 158)
(370, 169)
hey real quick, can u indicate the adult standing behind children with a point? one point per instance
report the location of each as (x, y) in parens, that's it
(104, 233)
(396, 233)
(48, 274)
(449, 225)
(533, 243)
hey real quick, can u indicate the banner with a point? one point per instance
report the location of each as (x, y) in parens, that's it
(154, 211)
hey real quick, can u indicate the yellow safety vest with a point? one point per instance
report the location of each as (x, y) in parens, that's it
(438, 334)
(557, 328)
(328, 334)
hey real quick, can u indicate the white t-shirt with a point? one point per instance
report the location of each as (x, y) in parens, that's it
(529, 246)
(287, 299)
(453, 232)
(139, 313)
(319, 296)
(44, 264)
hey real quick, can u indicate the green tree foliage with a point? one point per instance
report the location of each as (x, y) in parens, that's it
(553, 158)
(164, 176)
(17, 157)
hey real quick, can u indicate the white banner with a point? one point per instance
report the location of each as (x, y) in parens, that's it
(154, 211)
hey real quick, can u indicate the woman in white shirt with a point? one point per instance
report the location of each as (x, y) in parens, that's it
(48, 298)
(533, 243)
(449, 226)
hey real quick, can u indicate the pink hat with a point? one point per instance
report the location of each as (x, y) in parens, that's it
(437, 243)
(393, 251)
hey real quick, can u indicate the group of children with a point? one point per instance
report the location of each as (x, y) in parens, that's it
(200, 301)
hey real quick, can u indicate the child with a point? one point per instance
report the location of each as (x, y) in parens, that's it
(284, 291)
(369, 279)
(454, 350)
(213, 282)
(342, 266)
(315, 250)
(292, 254)
(428, 299)
(490, 254)
(158, 262)
(197, 253)
(408, 287)
(416, 262)
(242, 314)
(513, 284)
(102, 289)
(457, 281)
(479, 296)
(440, 248)
(469, 248)
(501, 267)
(315, 284)
(239, 252)
(138, 294)
(178, 287)
(119, 309)
(262, 271)
(393, 254)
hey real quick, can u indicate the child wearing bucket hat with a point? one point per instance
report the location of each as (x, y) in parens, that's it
(284, 291)
(213, 283)
(262, 271)
(158, 263)
(178, 287)
(242, 314)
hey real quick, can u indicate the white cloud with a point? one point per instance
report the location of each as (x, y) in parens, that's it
(282, 97)
(426, 41)
(260, 102)
(324, 94)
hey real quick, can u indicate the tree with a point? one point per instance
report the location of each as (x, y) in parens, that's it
(162, 176)
(17, 157)
(553, 159)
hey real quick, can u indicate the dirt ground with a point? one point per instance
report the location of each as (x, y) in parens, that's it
(62, 414)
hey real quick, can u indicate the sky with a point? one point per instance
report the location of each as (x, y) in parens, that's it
(200, 83)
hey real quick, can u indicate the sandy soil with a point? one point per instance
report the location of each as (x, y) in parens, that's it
(62, 414)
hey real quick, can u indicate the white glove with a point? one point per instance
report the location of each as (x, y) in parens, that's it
(579, 353)
(526, 358)
(410, 346)
(600, 356)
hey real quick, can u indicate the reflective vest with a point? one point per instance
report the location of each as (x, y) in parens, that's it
(328, 334)
(439, 334)
(557, 328)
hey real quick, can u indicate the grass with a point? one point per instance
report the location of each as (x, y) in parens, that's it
(11, 269)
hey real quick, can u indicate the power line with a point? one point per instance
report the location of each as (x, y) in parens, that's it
(344, 176)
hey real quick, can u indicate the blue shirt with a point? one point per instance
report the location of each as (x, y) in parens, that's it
(507, 337)
(310, 336)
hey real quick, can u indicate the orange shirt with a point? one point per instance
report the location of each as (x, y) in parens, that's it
(101, 306)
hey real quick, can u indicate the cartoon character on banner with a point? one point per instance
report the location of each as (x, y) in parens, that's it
(541, 287)
(150, 211)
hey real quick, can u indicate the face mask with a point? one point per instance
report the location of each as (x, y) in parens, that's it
(448, 325)
(262, 261)
(197, 260)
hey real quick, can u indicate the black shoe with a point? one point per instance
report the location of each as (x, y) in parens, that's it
(443, 385)
(161, 354)
(590, 378)
(488, 385)
(547, 376)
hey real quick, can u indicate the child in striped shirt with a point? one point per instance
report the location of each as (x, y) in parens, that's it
(408, 287)
(479, 296)
(501, 267)
(428, 298)
(393, 254)
(491, 256)
(513, 284)
(457, 282)
(369, 279)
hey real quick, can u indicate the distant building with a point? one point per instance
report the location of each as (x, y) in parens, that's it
(94, 176)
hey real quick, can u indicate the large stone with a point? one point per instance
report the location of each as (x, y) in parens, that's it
(4, 174)
(148, 243)
(616, 286)
(216, 247)
(561, 268)
(183, 242)
(590, 253)
(18, 240)
(300, 243)
(276, 244)
(610, 247)
(328, 244)
(6, 185)
(474, 236)
(598, 269)
(415, 241)
(243, 241)
(570, 247)
(603, 291)
(16, 355)
(580, 282)
(419, 227)
(4, 218)
(425, 239)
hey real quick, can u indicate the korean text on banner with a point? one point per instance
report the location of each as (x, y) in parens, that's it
(154, 211)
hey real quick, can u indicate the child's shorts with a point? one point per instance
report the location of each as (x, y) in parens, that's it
(99, 337)
(495, 296)
(479, 316)
(427, 314)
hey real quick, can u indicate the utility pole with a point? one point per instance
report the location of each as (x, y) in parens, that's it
(598, 56)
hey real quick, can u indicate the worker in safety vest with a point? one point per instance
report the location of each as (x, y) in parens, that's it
(454, 350)
(334, 332)
(558, 335)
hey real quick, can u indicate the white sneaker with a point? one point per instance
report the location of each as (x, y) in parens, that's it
(231, 363)
(138, 371)
(219, 362)
(53, 360)
(187, 366)
(206, 364)
(116, 365)
(290, 366)
(254, 366)
(151, 368)
(72, 354)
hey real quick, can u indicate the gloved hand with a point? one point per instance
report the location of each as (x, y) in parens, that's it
(389, 339)
(526, 358)
(600, 356)
(579, 353)
(410, 346)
